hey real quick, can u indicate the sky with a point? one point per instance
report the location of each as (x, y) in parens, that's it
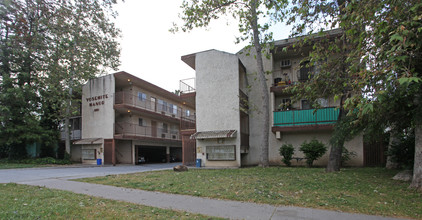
(150, 52)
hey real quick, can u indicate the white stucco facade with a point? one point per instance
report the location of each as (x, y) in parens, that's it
(217, 103)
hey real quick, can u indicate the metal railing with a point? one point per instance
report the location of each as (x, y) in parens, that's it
(306, 117)
(187, 85)
(131, 129)
(133, 100)
(187, 123)
(74, 135)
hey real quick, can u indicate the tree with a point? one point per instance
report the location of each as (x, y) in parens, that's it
(199, 13)
(48, 49)
(383, 61)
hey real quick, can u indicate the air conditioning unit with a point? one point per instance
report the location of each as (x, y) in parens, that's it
(285, 63)
(163, 135)
(173, 136)
(163, 112)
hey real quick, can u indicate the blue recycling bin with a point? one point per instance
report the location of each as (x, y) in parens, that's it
(198, 162)
(99, 162)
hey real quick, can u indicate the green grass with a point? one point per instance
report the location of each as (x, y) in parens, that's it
(357, 190)
(30, 202)
(32, 162)
(19, 165)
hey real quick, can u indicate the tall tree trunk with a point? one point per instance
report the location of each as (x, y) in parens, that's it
(264, 161)
(334, 160)
(417, 166)
(393, 141)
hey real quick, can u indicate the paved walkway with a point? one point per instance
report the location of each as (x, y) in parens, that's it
(210, 207)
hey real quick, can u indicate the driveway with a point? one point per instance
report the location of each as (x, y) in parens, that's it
(73, 172)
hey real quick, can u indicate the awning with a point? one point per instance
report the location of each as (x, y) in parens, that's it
(89, 141)
(214, 134)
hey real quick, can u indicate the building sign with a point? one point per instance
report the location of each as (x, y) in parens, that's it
(89, 154)
(97, 100)
(222, 152)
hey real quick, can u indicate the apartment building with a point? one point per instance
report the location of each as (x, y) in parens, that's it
(231, 137)
(127, 120)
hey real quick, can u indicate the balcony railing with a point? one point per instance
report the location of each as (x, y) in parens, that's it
(187, 123)
(306, 117)
(74, 135)
(124, 128)
(133, 100)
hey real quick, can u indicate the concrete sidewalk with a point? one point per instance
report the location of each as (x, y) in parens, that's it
(206, 206)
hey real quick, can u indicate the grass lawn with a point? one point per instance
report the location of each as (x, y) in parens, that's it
(358, 190)
(19, 165)
(31, 202)
(32, 162)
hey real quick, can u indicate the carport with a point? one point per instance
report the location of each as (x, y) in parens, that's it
(150, 154)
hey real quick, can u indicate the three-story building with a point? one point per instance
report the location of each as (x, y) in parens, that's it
(128, 120)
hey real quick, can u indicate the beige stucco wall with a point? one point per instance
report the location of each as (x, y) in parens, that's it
(124, 152)
(256, 119)
(297, 138)
(76, 153)
(217, 101)
(98, 120)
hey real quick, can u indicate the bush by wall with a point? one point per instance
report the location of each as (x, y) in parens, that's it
(287, 151)
(312, 151)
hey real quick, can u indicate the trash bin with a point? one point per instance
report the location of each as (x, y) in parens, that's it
(99, 161)
(198, 162)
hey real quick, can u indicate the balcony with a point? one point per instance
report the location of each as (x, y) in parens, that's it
(305, 119)
(125, 99)
(124, 130)
(74, 135)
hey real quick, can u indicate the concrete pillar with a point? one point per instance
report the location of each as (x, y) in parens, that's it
(113, 152)
(168, 154)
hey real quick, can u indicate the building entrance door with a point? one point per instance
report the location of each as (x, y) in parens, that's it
(153, 128)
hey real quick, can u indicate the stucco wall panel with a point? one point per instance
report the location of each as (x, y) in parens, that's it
(98, 113)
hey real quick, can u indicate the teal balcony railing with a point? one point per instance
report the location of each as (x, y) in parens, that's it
(306, 117)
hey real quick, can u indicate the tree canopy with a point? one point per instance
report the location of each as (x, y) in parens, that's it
(47, 48)
(381, 62)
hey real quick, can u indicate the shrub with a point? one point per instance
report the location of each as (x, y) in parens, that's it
(403, 152)
(312, 150)
(287, 150)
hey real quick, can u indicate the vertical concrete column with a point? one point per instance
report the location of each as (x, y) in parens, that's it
(113, 152)
(168, 154)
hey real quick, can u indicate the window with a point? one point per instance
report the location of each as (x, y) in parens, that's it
(164, 106)
(187, 113)
(142, 96)
(222, 152)
(76, 124)
(170, 108)
(175, 109)
(160, 105)
(165, 128)
(306, 104)
(140, 122)
(305, 71)
(89, 154)
(285, 63)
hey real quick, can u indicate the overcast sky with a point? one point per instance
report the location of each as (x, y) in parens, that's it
(151, 52)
